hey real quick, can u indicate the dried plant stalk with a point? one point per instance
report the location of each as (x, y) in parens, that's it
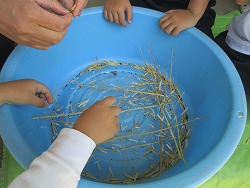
(153, 94)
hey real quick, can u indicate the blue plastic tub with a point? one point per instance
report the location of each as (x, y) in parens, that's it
(210, 83)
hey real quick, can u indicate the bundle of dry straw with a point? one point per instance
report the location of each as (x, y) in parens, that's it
(160, 140)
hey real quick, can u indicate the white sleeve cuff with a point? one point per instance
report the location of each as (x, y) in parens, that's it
(73, 147)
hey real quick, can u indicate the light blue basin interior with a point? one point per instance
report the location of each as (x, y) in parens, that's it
(209, 82)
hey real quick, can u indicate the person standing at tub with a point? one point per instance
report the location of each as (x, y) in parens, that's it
(235, 42)
(61, 165)
(35, 23)
(179, 14)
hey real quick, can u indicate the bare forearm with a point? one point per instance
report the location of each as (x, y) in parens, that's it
(197, 7)
(242, 2)
(3, 94)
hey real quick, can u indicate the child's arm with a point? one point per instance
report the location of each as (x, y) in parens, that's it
(177, 20)
(61, 165)
(25, 92)
(197, 8)
(115, 10)
(242, 2)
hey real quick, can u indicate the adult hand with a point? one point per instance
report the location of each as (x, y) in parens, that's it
(100, 121)
(177, 20)
(79, 5)
(115, 10)
(52, 6)
(27, 22)
(25, 91)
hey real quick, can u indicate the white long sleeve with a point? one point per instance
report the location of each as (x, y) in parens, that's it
(60, 166)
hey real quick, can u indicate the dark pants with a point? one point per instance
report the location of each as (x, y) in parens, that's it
(6, 47)
(240, 61)
(204, 24)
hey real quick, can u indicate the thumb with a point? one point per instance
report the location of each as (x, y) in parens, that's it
(35, 101)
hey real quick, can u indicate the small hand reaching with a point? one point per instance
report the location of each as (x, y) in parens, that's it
(100, 121)
(25, 91)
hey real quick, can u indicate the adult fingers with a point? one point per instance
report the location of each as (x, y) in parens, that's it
(54, 6)
(80, 4)
(43, 39)
(38, 46)
(33, 32)
(67, 3)
(34, 42)
(25, 39)
(58, 8)
(52, 21)
(49, 36)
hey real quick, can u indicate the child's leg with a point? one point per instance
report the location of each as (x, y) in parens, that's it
(139, 3)
(240, 61)
(6, 46)
(162, 6)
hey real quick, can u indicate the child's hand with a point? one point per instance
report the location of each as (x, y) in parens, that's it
(114, 11)
(100, 121)
(25, 92)
(176, 21)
